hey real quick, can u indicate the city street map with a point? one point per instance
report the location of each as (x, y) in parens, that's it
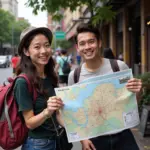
(98, 106)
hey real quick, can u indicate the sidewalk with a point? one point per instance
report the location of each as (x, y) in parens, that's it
(143, 142)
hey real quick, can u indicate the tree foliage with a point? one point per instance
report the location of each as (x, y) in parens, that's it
(18, 26)
(63, 44)
(99, 9)
(5, 25)
(10, 29)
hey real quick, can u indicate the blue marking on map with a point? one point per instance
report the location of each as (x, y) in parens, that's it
(76, 122)
(74, 105)
(79, 124)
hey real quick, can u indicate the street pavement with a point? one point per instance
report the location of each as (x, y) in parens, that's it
(143, 142)
(5, 73)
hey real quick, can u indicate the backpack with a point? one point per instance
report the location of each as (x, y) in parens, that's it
(114, 66)
(13, 130)
(66, 66)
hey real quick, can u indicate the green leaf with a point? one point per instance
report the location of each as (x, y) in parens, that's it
(100, 14)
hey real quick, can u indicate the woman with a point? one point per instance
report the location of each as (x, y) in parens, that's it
(37, 63)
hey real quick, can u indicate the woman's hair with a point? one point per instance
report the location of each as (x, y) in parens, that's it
(26, 66)
(107, 53)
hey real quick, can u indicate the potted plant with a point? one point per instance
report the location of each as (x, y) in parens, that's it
(145, 94)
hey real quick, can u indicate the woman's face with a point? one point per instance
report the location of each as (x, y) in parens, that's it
(39, 50)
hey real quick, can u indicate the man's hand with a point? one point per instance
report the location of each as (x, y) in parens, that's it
(134, 85)
(87, 145)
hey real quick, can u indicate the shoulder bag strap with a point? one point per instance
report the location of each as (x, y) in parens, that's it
(114, 65)
(55, 127)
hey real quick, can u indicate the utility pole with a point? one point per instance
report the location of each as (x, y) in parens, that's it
(12, 37)
(0, 4)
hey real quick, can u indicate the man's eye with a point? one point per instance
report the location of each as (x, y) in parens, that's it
(81, 43)
(92, 41)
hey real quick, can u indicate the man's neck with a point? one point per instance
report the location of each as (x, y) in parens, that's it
(93, 65)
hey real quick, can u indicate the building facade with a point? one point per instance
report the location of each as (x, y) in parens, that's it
(11, 6)
(128, 34)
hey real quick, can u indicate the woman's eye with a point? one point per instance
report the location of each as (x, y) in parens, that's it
(37, 47)
(48, 45)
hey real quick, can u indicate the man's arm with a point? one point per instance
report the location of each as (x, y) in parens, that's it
(87, 145)
(139, 95)
(135, 85)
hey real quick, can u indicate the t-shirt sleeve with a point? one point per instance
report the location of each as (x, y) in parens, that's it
(58, 60)
(71, 78)
(22, 95)
(122, 65)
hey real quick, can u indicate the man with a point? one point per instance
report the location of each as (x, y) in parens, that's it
(63, 63)
(88, 46)
(14, 62)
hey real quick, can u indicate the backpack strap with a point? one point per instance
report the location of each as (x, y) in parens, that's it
(77, 74)
(30, 87)
(114, 65)
(64, 59)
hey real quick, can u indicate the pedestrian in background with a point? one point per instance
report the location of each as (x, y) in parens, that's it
(63, 63)
(88, 46)
(37, 63)
(78, 58)
(120, 57)
(14, 62)
(56, 55)
(108, 53)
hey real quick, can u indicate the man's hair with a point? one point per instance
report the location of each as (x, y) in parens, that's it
(84, 27)
(16, 54)
(64, 52)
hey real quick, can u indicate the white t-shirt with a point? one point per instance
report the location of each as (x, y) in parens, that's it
(104, 69)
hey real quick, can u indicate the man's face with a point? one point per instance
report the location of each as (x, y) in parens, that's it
(88, 46)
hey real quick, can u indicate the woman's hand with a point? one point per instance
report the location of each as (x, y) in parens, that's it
(134, 85)
(54, 103)
(87, 145)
